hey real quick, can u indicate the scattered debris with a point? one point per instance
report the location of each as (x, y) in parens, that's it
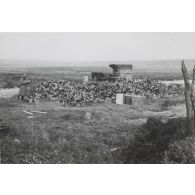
(27, 112)
(114, 149)
(17, 140)
(30, 117)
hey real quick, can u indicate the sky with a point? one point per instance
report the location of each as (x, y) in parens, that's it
(96, 46)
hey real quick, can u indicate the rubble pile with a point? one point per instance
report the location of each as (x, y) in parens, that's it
(72, 94)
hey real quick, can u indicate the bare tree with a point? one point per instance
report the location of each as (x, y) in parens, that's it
(189, 99)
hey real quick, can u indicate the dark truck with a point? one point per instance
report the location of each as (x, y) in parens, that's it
(100, 76)
(118, 70)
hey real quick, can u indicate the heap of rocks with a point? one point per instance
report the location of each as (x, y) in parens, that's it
(72, 94)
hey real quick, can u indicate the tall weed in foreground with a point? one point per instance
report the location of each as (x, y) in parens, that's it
(153, 139)
(181, 152)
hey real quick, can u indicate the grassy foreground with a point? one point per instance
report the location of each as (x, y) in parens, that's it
(92, 134)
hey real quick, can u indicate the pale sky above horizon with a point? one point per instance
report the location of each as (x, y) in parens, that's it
(97, 46)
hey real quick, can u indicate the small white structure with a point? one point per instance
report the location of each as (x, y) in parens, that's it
(120, 98)
(85, 79)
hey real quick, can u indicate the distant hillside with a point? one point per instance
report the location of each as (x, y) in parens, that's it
(148, 66)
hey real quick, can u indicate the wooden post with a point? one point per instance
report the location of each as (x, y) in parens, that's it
(193, 93)
(0, 151)
(189, 99)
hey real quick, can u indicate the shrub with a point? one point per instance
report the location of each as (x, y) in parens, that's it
(153, 139)
(182, 151)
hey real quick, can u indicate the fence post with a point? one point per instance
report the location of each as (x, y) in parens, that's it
(189, 99)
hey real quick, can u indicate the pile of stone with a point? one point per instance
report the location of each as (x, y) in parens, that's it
(73, 94)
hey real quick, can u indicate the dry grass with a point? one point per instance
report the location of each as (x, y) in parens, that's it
(64, 135)
(152, 140)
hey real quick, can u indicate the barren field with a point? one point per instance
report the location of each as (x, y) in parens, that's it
(89, 134)
(69, 135)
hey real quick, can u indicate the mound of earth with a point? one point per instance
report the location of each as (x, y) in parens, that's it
(153, 139)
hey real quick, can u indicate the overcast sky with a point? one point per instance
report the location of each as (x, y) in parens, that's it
(97, 46)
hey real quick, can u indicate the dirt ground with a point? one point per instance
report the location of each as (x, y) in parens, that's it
(91, 134)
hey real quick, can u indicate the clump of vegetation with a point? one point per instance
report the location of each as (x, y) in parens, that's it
(182, 151)
(153, 139)
(61, 136)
